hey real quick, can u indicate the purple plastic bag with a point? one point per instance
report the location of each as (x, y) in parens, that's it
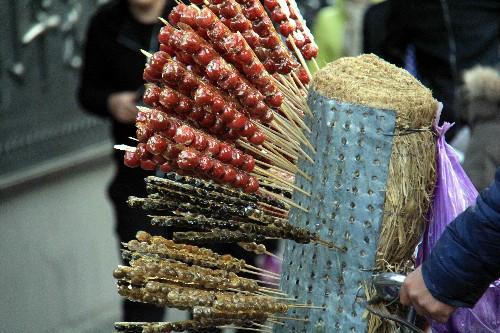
(454, 192)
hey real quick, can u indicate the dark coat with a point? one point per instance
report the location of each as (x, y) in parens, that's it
(466, 259)
(449, 37)
(113, 61)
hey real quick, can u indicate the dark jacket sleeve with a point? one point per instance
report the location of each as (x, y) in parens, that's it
(94, 88)
(466, 259)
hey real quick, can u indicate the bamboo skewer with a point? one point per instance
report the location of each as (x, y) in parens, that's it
(260, 274)
(297, 170)
(273, 156)
(281, 180)
(300, 135)
(306, 306)
(276, 322)
(243, 328)
(315, 64)
(260, 325)
(262, 270)
(286, 200)
(290, 318)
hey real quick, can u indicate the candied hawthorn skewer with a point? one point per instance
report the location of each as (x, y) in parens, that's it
(216, 69)
(258, 32)
(233, 47)
(286, 14)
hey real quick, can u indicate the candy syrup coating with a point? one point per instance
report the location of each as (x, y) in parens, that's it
(156, 144)
(131, 159)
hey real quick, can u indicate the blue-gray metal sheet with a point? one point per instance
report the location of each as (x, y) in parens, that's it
(353, 148)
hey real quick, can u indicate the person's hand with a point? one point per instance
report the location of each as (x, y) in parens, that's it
(122, 106)
(415, 293)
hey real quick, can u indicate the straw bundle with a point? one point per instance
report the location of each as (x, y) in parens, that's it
(370, 81)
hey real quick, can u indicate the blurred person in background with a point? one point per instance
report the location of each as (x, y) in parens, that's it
(338, 29)
(110, 87)
(482, 114)
(448, 37)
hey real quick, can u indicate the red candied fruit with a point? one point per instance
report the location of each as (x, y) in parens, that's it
(172, 129)
(229, 10)
(252, 186)
(142, 117)
(254, 69)
(228, 114)
(203, 96)
(165, 34)
(143, 133)
(167, 49)
(148, 164)
(209, 120)
(259, 110)
(169, 98)
(310, 51)
(237, 158)
(205, 19)
(188, 159)
(200, 141)
(197, 114)
(156, 144)
(172, 151)
(249, 129)
(205, 164)
(270, 41)
(217, 171)
(245, 56)
(229, 174)
(238, 122)
(249, 163)
(271, 4)
(184, 106)
(204, 56)
(131, 160)
(240, 23)
(217, 128)
(258, 138)
(263, 28)
(275, 100)
(158, 159)
(172, 72)
(151, 96)
(214, 70)
(226, 153)
(268, 116)
(218, 104)
(241, 179)
(213, 147)
(303, 76)
(166, 167)
(278, 15)
(252, 38)
(252, 99)
(254, 12)
(184, 135)
(287, 28)
(158, 60)
(175, 15)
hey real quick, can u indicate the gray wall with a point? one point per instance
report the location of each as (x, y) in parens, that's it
(57, 254)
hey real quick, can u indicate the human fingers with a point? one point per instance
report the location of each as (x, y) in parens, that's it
(404, 298)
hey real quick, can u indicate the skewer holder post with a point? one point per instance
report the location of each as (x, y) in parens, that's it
(353, 149)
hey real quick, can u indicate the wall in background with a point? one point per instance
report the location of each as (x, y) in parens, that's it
(57, 254)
